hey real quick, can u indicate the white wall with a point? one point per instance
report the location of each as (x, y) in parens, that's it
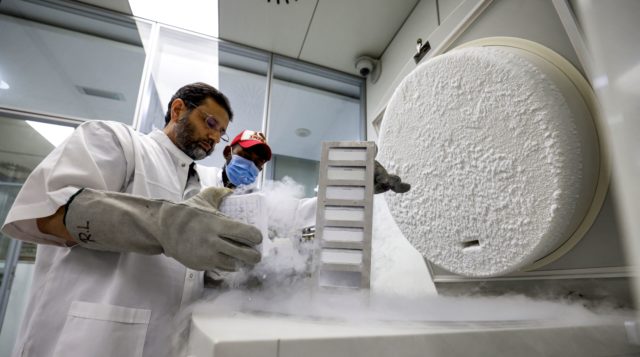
(535, 20)
(446, 8)
(397, 57)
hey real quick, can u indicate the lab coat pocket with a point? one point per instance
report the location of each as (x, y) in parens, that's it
(103, 330)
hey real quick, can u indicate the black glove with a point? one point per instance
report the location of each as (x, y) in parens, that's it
(383, 181)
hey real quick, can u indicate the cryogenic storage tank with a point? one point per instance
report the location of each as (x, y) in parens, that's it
(499, 138)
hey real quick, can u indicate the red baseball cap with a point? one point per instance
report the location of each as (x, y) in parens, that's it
(250, 138)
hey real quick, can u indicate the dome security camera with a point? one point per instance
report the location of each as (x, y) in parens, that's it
(365, 65)
(369, 68)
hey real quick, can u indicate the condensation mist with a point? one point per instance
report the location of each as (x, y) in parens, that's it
(401, 287)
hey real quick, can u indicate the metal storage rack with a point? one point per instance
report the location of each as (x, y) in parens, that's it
(344, 215)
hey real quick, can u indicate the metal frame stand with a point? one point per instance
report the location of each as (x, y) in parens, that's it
(344, 215)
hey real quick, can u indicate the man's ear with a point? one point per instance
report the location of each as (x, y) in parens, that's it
(177, 106)
(226, 152)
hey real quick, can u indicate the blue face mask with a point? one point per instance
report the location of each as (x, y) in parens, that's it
(241, 171)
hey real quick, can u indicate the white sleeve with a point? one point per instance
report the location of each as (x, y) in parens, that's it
(93, 156)
(306, 213)
(210, 176)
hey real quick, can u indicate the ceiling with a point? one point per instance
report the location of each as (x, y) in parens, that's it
(328, 33)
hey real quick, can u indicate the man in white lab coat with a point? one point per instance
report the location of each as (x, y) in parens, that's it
(118, 256)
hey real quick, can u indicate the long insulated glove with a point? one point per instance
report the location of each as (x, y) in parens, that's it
(383, 181)
(193, 232)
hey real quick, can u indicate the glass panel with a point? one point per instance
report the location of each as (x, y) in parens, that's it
(310, 105)
(56, 71)
(301, 170)
(179, 58)
(23, 145)
(17, 302)
(243, 79)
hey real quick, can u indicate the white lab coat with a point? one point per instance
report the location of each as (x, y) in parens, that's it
(210, 176)
(93, 303)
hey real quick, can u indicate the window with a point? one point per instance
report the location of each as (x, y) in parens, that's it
(51, 70)
(243, 79)
(178, 58)
(310, 105)
(23, 144)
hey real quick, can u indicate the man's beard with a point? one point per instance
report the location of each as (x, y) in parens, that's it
(185, 133)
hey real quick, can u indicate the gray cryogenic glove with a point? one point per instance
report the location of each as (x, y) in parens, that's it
(193, 232)
(383, 181)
